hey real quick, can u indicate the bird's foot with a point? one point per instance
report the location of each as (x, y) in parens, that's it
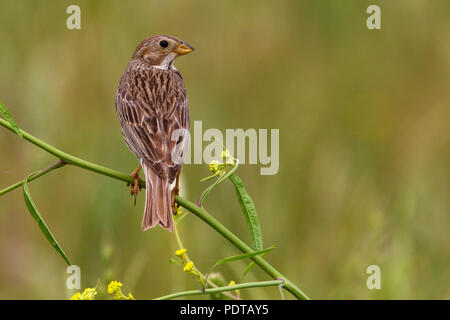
(135, 187)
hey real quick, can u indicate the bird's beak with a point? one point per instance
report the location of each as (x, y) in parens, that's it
(183, 48)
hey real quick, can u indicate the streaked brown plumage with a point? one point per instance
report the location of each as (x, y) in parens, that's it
(153, 110)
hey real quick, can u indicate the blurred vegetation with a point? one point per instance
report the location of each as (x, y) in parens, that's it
(364, 143)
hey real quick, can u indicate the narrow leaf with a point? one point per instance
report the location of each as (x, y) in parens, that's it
(41, 223)
(4, 111)
(249, 211)
(238, 257)
(250, 266)
(242, 256)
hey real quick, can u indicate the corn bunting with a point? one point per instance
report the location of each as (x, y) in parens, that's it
(153, 110)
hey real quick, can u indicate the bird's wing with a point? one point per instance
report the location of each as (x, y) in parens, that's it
(154, 113)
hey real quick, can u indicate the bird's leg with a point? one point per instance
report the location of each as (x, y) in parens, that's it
(135, 188)
(175, 192)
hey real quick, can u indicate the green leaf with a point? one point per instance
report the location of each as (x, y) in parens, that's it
(238, 257)
(250, 266)
(10, 119)
(242, 256)
(37, 216)
(249, 211)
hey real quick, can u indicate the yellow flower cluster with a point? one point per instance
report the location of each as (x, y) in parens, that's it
(177, 210)
(220, 168)
(181, 254)
(214, 166)
(188, 264)
(114, 287)
(189, 267)
(87, 294)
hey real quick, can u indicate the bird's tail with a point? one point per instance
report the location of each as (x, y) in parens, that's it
(158, 201)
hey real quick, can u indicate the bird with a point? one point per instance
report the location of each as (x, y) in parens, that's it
(153, 110)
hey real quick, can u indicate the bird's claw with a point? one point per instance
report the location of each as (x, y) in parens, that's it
(135, 188)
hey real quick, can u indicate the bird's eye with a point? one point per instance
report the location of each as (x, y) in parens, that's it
(164, 43)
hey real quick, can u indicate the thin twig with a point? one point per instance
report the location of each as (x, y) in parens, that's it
(38, 174)
(222, 289)
(70, 159)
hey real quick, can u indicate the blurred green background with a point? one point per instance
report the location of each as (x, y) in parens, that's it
(364, 143)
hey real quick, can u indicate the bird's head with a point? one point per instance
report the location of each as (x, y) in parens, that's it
(160, 51)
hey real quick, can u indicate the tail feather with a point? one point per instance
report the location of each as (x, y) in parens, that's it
(158, 201)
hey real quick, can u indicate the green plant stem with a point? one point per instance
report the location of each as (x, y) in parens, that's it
(238, 243)
(222, 289)
(200, 212)
(70, 159)
(40, 173)
(177, 237)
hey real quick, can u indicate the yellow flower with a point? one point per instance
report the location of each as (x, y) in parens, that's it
(88, 294)
(76, 296)
(180, 252)
(178, 212)
(220, 167)
(114, 286)
(214, 166)
(189, 267)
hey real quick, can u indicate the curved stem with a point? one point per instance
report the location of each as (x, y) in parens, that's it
(222, 289)
(54, 166)
(70, 159)
(199, 212)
